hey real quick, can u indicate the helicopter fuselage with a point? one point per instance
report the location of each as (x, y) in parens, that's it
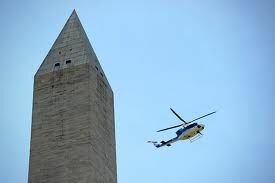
(189, 131)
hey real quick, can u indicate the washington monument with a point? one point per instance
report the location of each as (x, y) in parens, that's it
(73, 130)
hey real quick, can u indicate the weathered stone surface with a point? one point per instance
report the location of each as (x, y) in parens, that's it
(73, 133)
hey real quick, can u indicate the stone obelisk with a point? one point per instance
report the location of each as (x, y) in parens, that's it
(73, 130)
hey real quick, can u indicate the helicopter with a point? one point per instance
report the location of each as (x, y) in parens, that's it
(189, 130)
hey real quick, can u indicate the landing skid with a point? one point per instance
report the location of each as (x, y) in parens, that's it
(196, 137)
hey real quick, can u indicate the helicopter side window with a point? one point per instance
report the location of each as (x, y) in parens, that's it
(191, 126)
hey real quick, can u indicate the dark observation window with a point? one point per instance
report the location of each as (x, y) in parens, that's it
(56, 66)
(59, 52)
(68, 61)
(101, 74)
(96, 67)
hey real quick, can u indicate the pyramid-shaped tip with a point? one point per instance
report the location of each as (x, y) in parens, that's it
(74, 14)
(72, 44)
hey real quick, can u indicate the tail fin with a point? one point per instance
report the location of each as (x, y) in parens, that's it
(155, 143)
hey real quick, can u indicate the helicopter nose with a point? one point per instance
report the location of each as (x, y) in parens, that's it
(201, 126)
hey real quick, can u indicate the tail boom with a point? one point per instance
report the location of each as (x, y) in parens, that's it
(163, 143)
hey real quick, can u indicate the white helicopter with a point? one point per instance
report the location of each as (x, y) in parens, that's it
(189, 130)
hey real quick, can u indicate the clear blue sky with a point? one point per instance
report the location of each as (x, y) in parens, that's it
(195, 56)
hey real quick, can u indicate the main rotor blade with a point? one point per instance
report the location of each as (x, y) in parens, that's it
(169, 128)
(202, 117)
(178, 116)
